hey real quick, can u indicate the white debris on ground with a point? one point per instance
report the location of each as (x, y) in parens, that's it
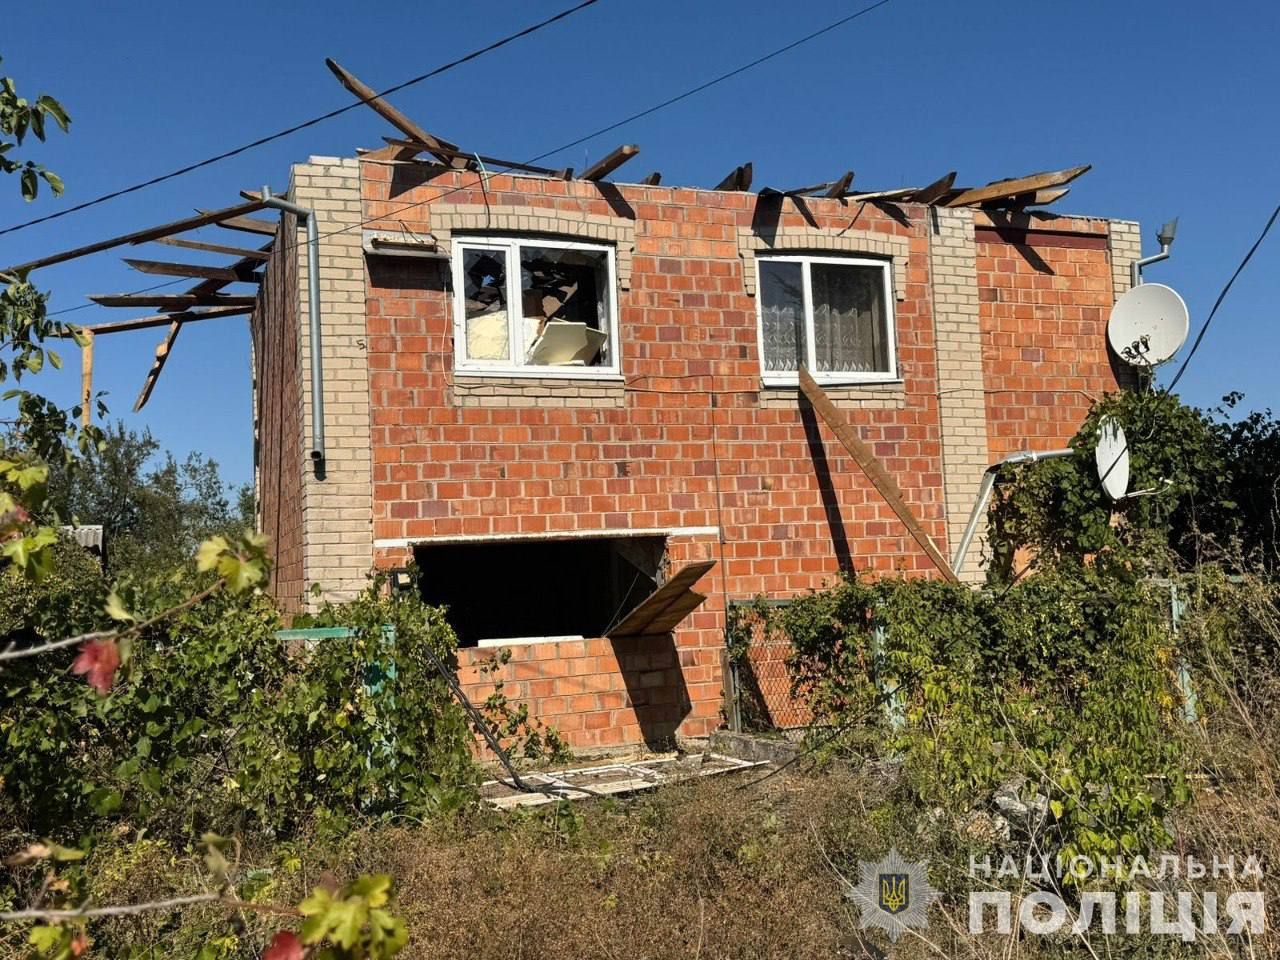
(608, 779)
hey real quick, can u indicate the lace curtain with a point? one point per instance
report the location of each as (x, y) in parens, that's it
(848, 318)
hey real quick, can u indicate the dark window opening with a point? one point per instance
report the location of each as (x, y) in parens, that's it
(539, 588)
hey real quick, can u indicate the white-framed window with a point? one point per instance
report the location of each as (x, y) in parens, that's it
(534, 307)
(834, 315)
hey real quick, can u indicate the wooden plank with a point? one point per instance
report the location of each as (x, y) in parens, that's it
(900, 193)
(157, 365)
(162, 319)
(142, 236)
(171, 301)
(198, 270)
(841, 186)
(1010, 188)
(1035, 198)
(653, 179)
(874, 470)
(936, 190)
(389, 113)
(262, 255)
(739, 179)
(250, 225)
(257, 194)
(605, 166)
(666, 606)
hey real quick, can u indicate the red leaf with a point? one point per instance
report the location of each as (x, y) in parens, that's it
(285, 945)
(99, 659)
(79, 944)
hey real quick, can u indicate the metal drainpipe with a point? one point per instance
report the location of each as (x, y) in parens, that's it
(313, 308)
(984, 493)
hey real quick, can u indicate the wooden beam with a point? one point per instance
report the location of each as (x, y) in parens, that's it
(874, 470)
(197, 270)
(385, 110)
(605, 166)
(142, 236)
(170, 301)
(205, 288)
(487, 161)
(262, 255)
(738, 179)
(841, 186)
(86, 377)
(250, 225)
(161, 319)
(157, 365)
(257, 194)
(936, 190)
(1035, 198)
(1010, 188)
(653, 179)
(901, 193)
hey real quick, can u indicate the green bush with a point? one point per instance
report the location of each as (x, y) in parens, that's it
(222, 724)
(1064, 690)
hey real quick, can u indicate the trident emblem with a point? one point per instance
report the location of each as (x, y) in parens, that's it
(895, 892)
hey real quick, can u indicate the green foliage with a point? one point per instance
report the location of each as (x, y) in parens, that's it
(522, 735)
(222, 723)
(1064, 688)
(18, 117)
(354, 923)
(1058, 507)
(155, 510)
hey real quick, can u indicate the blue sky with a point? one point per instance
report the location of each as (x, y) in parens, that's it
(1174, 103)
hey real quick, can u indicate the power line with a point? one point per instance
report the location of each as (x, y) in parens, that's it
(573, 143)
(1222, 296)
(720, 79)
(510, 38)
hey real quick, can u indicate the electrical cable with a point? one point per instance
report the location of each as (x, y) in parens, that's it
(288, 131)
(643, 113)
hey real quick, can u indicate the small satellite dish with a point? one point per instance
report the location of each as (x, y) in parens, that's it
(1148, 325)
(1112, 456)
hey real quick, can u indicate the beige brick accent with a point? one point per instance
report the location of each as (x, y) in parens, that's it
(783, 239)
(1125, 246)
(491, 391)
(447, 219)
(961, 402)
(337, 511)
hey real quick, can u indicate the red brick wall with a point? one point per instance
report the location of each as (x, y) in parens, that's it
(1044, 297)
(278, 454)
(695, 441)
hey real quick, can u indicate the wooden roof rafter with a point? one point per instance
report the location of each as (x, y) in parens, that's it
(171, 301)
(261, 255)
(199, 271)
(563, 173)
(415, 133)
(739, 179)
(203, 219)
(1008, 189)
(610, 162)
(162, 319)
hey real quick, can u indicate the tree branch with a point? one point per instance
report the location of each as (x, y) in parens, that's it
(11, 654)
(134, 909)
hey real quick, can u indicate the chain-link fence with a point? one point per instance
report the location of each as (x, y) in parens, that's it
(762, 692)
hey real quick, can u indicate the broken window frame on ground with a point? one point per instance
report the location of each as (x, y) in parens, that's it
(517, 362)
(887, 327)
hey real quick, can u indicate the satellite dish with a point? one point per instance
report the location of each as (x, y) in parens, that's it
(1148, 325)
(1112, 456)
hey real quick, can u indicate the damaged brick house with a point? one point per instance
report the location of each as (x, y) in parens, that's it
(574, 404)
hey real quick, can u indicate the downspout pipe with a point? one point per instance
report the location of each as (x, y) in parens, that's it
(984, 494)
(313, 308)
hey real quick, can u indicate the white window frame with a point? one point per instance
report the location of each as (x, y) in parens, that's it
(780, 378)
(512, 244)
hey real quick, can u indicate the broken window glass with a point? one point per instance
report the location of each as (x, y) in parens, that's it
(485, 299)
(832, 315)
(561, 314)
